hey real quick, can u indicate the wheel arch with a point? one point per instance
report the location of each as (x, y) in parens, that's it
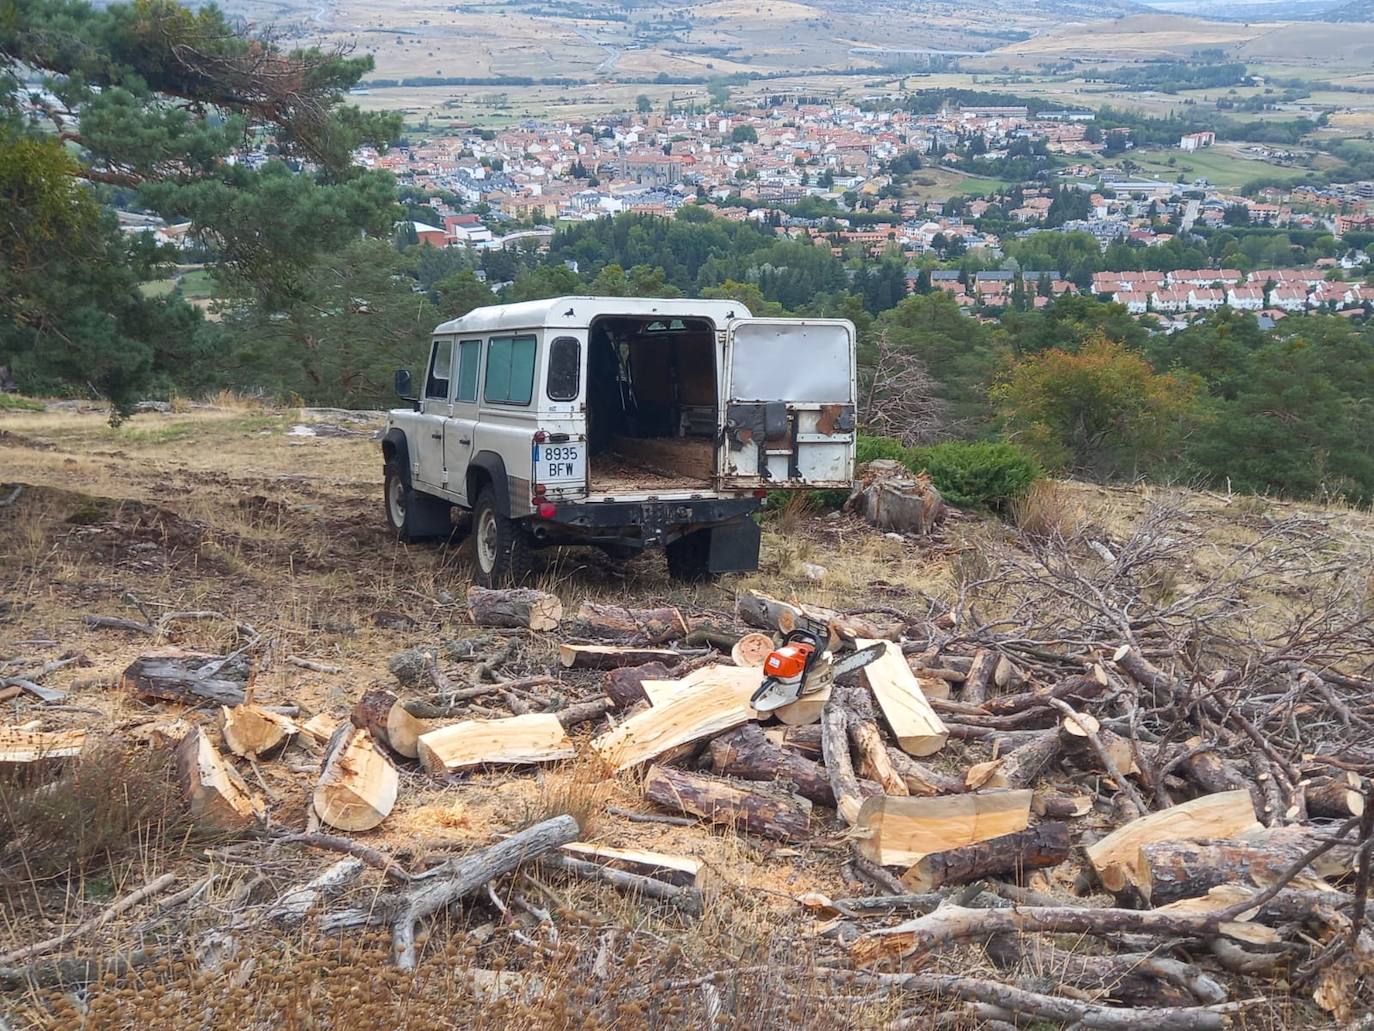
(396, 446)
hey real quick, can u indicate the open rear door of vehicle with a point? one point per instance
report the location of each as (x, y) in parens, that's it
(788, 413)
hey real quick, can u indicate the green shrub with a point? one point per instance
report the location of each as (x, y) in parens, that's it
(19, 403)
(978, 474)
(870, 449)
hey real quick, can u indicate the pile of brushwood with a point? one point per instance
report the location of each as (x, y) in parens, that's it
(1139, 794)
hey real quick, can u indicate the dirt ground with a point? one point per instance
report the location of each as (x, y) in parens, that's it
(273, 518)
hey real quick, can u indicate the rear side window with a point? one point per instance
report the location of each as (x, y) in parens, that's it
(510, 370)
(565, 361)
(469, 361)
(440, 369)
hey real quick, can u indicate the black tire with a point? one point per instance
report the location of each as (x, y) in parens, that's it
(411, 515)
(500, 546)
(689, 557)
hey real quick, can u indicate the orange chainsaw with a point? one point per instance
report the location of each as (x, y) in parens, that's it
(788, 669)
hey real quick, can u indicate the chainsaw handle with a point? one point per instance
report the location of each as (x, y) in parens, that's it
(805, 636)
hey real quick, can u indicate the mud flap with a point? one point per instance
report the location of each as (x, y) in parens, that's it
(427, 517)
(734, 546)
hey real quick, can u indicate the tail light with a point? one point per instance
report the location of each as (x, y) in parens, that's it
(547, 510)
(540, 436)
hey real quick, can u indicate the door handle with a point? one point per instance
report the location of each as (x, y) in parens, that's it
(465, 440)
(437, 436)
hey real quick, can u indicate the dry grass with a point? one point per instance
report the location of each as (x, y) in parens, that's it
(1048, 510)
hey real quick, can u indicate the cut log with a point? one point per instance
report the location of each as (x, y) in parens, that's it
(839, 764)
(703, 709)
(1209, 771)
(1077, 688)
(919, 731)
(748, 754)
(1224, 897)
(651, 626)
(532, 738)
(682, 871)
(403, 730)
(768, 613)
(806, 710)
(251, 730)
(684, 898)
(873, 760)
(986, 776)
(1173, 870)
(921, 779)
(372, 711)
(903, 831)
(607, 656)
(751, 650)
(979, 675)
(805, 741)
(777, 816)
(1034, 848)
(217, 794)
(358, 784)
(1338, 798)
(191, 678)
(1338, 861)
(890, 497)
(1022, 766)
(1116, 858)
(623, 686)
(319, 728)
(1062, 807)
(1074, 732)
(660, 691)
(514, 607)
(1007, 676)
(31, 746)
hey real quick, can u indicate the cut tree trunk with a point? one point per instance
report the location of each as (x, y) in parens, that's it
(191, 678)
(1044, 845)
(903, 831)
(31, 746)
(781, 817)
(979, 674)
(251, 730)
(1173, 870)
(652, 626)
(918, 730)
(218, 796)
(372, 711)
(608, 656)
(531, 738)
(1338, 797)
(751, 650)
(514, 607)
(358, 784)
(1116, 858)
(711, 704)
(624, 685)
(747, 753)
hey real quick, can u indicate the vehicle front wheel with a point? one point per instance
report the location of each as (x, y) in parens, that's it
(689, 557)
(500, 545)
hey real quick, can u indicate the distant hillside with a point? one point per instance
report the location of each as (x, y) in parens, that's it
(1351, 10)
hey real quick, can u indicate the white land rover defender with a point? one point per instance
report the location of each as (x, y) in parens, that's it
(622, 423)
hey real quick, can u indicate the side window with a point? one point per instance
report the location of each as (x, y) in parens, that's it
(565, 361)
(469, 361)
(510, 370)
(440, 369)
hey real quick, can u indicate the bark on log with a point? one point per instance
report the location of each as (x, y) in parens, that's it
(921, 779)
(217, 794)
(624, 685)
(358, 785)
(1084, 687)
(1034, 848)
(532, 738)
(844, 783)
(650, 626)
(976, 681)
(679, 870)
(747, 754)
(1209, 771)
(1134, 978)
(515, 607)
(1337, 797)
(1174, 870)
(683, 897)
(372, 712)
(806, 741)
(606, 656)
(1145, 673)
(175, 675)
(1022, 766)
(721, 802)
(768, 613)
(873, 758)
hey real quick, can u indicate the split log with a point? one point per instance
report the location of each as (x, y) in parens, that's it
(1339, 797)
(712, 704)
(661, 691)
(217, 794)
(31, 746)
(781, 817)
(514, 607)
(1173, 870)
(918, 730)
(751, 650)
(839, 765)
(372, 711)
(358, 785)
(606, 656)
(979, 674)
(682, 871)
(1022, 766)
(532, 738)
(251, 730)
(747, 753)
(1116, 858)
(1243, 928)
(175, 675)
(805, 741)
(807, 709)
(1034, 848)
(873, 759)
(404, 729)
(921, 779)
(652, 626)
(623, 685)
(903, 831)
(319, 728)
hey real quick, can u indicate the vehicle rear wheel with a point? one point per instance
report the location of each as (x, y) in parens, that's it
(500, 545)
(689, 557)
(412, 516)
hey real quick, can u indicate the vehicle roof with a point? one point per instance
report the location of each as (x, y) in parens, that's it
(577, 312)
